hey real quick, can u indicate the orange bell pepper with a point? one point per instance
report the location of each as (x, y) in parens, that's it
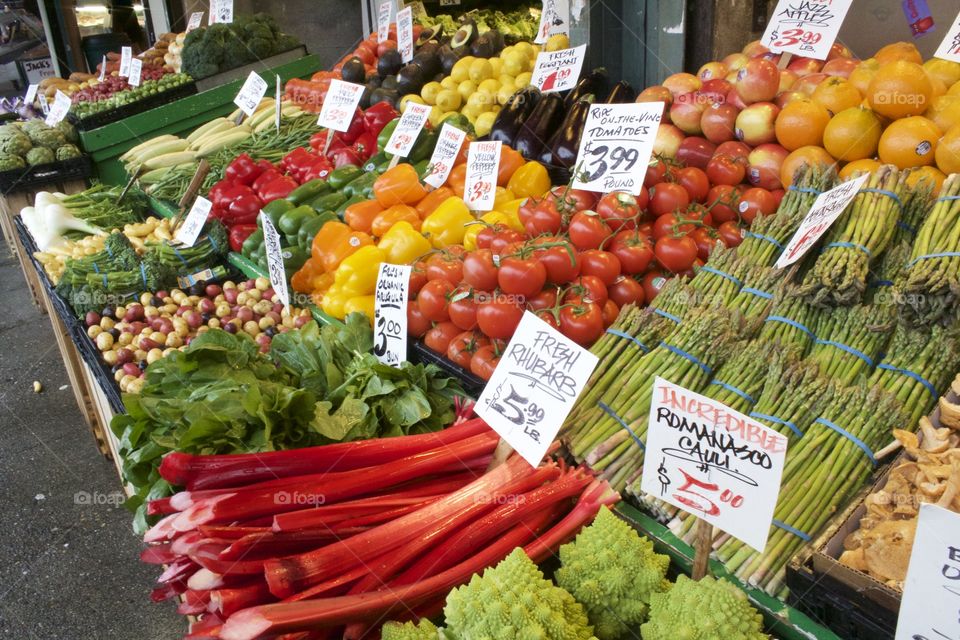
(388, 217)
(360, 215)
(510, 161)
(302, 280)
(457, 179)
(432, 200)
(336, 241)
(400, 185)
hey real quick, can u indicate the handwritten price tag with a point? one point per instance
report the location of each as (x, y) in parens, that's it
(278, 275)
(405, 134)
(189, 231)
(126, 55)
(713, 462)
(44, 105)
(31, 94)
(390, 314)
(950, 47)
(251, 93)
(405, 34)
(554, 19)
(825, 210)
(805, 27)
(384, 11)
(558, 70)
(339, 105)
(136, 68)
(444, 154)
(221, 11)
(103, 69)
(483, 163)
(931, 594)
(616, 146)
(59, 110)
(540, 376)
(196, 19)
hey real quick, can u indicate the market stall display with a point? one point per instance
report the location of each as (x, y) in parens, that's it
(220, 47)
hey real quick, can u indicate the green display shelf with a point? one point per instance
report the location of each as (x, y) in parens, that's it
(246, 266)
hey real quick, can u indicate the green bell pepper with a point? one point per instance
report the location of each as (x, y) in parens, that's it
(253, 241)
(276, 209)
(342, 176)
(374, 161)
(359, 185)
(310, 228)
(423, 147)
(291, 221)
(384, 136)
(354, 200)
(308, 191)
(293, 258)
(328, 201)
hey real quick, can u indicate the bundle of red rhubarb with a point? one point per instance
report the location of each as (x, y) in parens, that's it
(332, 541)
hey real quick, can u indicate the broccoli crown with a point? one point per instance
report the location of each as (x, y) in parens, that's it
(702, 610)
(40, 155)
(612, 571)
(426, 630)
(237, 52)
(121, 253)
(513, 600)
(196, 63)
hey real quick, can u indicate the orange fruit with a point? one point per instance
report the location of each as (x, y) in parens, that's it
(900, 89)
(861, 76)
(954, 89)
(868, 165)
(836, 94)
(898, 51)
(928, 175)
(801, 123)
(945, 71)
(948, 151)
(852, 134)
(945, 111)
(809, 155)
(939, 88)
(909, 142)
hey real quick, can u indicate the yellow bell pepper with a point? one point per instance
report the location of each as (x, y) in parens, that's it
(473, 230)
(511, 210)
(403, 244)
(529, 180)
(334, 302)
(446, 225)
(502, 196)
(357, 274)
(363, 304)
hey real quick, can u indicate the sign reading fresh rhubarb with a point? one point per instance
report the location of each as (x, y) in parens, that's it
(532, 390)
(390, 314)
(480, 186)
(444, 154)
(930, 607)
(825, 210)
(278, 274)
(189, 231)
(558, 70)
(405, 134)
(616, 146)
(950, 47)
(196, 19)
(339, 105)
(57, 112)
(384, 11)
(405, 34)
(136, 68)
(251, 93)
(805, 28)
(126, 55)
(221, 11)
(713, 462)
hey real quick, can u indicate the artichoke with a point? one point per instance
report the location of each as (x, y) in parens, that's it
(68, 151)
(69, 131)
(40, 155)
(16, 144)
(9, 161)
(50, 138)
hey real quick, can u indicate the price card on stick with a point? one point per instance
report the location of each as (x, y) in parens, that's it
(405, 134)
(136, 68)
(616, 146)
(805, 27)
(189, 231)
(251, 93)
(558, 70)
(339, 105)
(825, 210)
(532, 390)
(196, 19)
(930, 607)
(384, 11)
(278, 275)
(405, 34)
(31, 94)
(221, 11)
(444, 154)
(713, 462)
(554, 19)
(44, 104)
(480, 186)
(950, 47)
(61, 105)
(390, 314)
(126, 55)
(103, 69)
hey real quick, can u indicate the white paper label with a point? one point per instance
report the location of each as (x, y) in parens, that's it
(44, 104)
(31, 94)
(713, 462)
(196, 19)
(61, 105)
(251, 93)
(616, 146)
(390, 314)
(930, 608)
(483, 163)
(406, 132)
(221, 11)
(554, 19)
(825, 210)
(194, 278)
(384, 12)
(340, 105)
(278, 275)
(189, 231)
(136, 68)
(444, 154)
(950, 47)
(805, 27)
(540, 376)
(405, 34)
(558, 70)
(126, 55)
(278, 105)
(103, 69)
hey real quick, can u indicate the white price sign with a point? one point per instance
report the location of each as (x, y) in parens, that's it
(384, 12)
(405, 34)
(31, 94)
(189, 231)
(61, 105)
(406, 132)
(713, 462)
(251, 93)
(805, 27)
(278, 275)
(221, 11)
(930, 607)
(44, 105)
(480, 186)
(558, 70)
(444, 154)
(103, 69)
(532, 390)
(616, 146)
(340, 105)
(390, 314)
(136, 68)
(554, 19)
(277, 105)
(825, 210)
(950, 47)
(126, 55)
(196, 19)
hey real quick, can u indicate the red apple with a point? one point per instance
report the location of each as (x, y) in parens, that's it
(733, 149)
(755, 123)
(657, 93)
(754, 48)
(842, 67)
(668, 140)
(712, 70)
(680, 83)
(806, 84)
(787, 97)
(715, 90)
(805, 66)
(734, 98)
(735, 61)
(685, 112)
(839, 51)
(718, 122)
(758, 81)
(695, 151)
(764, 164)
(787, 79)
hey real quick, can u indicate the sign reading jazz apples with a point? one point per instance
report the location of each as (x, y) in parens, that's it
(805, 28)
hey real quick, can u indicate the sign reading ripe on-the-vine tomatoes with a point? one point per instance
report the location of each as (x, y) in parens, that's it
(532, 390)
(805, 27)
(825, 210)
(390, 314)
(950, 47)
(712, 462)
(196, 19)
(558, 70)
(480, 184)
(616, 146)
(339, 105)
(406, 132)
(444, 154)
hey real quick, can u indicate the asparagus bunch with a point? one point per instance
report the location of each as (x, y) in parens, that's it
(760, 285)
(885, 272)
(718, 281)
(793, 395)
(849, 340)
(918, 201)
(790, 321)
(739, 381)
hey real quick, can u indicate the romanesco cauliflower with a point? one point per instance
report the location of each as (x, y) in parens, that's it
(67, 152)
(426, 630)
(613, 571)
(513, 600)
(16, 144)
(47, 137)
(40, 155)
(704, 610)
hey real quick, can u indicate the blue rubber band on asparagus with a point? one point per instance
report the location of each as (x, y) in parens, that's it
(722, 274)
(907, 227)
(213, 243)
(849, 436)
(734, 390)
(947, 198)
(848, 349)
(668, 316)
(943, 254)
(775, 419)
(783, 525)
(627, 336)
(179, 255)
(882, 283)
(792, 323)
(766, 295)
(848, 245)
(613, 414)
(96, 268)
(692, 358)
(804, 190)
(889, 194)
(109, 250)
(760, 236)
(910, 374)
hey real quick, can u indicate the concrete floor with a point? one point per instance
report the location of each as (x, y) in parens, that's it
(70, 570)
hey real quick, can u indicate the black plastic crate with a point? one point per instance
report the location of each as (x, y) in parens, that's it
(103, 118)
(16, 180)
(471, 383)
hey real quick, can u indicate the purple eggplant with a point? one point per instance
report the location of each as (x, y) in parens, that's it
(566, 142)
(536, 130)
(514, 113)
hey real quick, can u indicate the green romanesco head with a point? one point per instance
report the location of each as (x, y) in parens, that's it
(68, 151)
(513, 600)
(613, 571)
(426, 630)
(704, 610)
(68, 130)
(47, 137)
(10, 161)
(16, 144)
(40, 155)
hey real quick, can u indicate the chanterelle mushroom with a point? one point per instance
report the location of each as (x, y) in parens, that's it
(934, 440)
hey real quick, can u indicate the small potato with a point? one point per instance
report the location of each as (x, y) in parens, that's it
(104, 341)
(262, 284)
(153, 355)
(94, 331)
(173, 340)
(107, 323)
(135, 386)
(125, 339)
(251, 327)
(110, 357)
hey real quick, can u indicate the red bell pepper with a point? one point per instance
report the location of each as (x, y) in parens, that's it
(243, 210)
(296, 157)
(365, 146)
(266, 165)
(345, 156)
(319, 169)
(265, 178)
(376, 117)
(239, 233)
(225, 192)
(278, 188)
(243, 169)
(357, 126)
